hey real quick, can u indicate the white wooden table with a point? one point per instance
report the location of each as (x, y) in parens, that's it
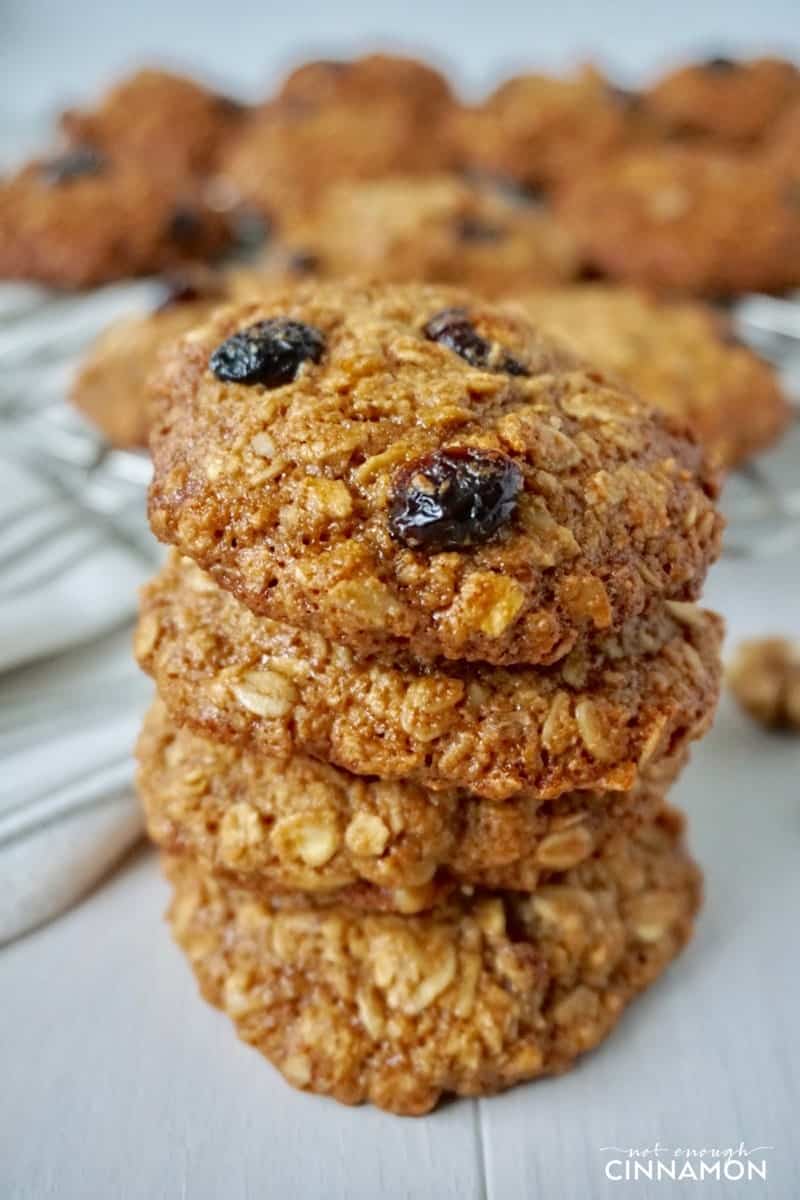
(118, 1083)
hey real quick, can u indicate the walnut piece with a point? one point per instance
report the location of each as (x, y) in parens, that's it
(765, 678)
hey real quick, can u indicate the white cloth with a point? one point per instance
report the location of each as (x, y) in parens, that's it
(64, 579)
(74, 549)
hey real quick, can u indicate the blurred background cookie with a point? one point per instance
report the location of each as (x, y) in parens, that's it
(541, 130)
(437, 228)
(728, 100)
(79, 218)
(168, 124)
(680, 356)
(686, 219)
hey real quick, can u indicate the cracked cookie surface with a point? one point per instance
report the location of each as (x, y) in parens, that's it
(302, 825)
(480, 994)
(592, 720)
(318, 497)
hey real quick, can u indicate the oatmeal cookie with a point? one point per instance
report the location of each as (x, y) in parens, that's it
(373, 79)
(482, 993)
(168, 124)
(404, 467)
(682, 357)
(110, 385)
(440, 229)
(765, 679)
(303, 825)
(591, 721)
(724, 99)
(540, 130)
(80, 219)
(289, 154)
(687, 220)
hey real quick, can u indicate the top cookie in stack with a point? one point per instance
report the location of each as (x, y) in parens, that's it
(437, 479)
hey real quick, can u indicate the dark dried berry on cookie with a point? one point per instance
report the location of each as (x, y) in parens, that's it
(473, 229)
(452, 328)
(74, 164)
(303, 262)
(721, 64)
(455, 497)
(270, 352)
(185, 224)
(230, 107)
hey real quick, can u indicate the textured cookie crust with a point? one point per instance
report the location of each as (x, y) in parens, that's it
(119, 222)
(481, 994)
(438, 229)
(679, 356)
(110, 387)
(306, 826)
(765, 679)
(540, 130)
(688, 220)
(286, 494)
(290, 153)
(592, 721)
(731, 101)
(166, 123)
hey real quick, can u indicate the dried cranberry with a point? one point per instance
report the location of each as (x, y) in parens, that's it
(532, 194)
(455, 497)
(303, 262)
(720, 64)
(452, 328)
(227, 106)
(74, 164)
(473, 229)
(185, 225)
(269, 352)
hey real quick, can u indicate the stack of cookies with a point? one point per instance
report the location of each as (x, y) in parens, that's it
(428, 660)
